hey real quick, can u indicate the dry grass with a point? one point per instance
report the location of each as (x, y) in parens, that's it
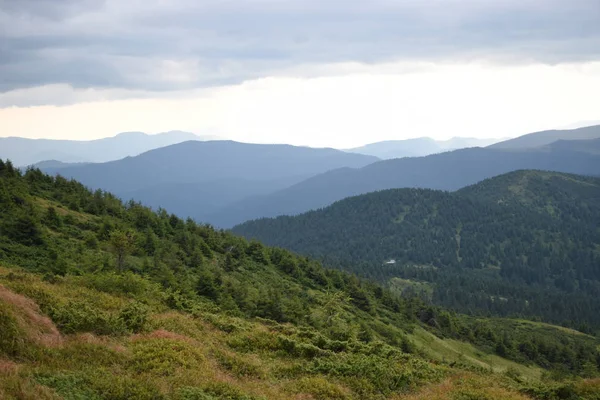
(36, 326)
(7, 366)
(198, 350)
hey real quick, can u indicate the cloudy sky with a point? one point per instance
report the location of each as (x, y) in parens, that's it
(308, 72)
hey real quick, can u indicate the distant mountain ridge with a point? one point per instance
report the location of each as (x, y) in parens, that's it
(419, 147)
(446, 171)
(226, 183)
(25, 152)
(544, 138)
(196, 178)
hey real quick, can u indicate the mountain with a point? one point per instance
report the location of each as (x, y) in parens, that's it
(544, 138)
(105, 300)
(529, 237)
(419, 147)
(24, 152)
(53, 164)
(201, 200)
(591, 146)
(208, 175)
(446, 171)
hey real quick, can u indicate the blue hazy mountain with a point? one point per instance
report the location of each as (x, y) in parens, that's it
(196, 178)
(419, 147)
(25, 152)
(544, 138)
(447, 171)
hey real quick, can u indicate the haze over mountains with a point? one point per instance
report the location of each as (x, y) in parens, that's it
(446, 171)
(226, 183)
(195, 178)
(419, 147)
(544, 138)
(25, 152)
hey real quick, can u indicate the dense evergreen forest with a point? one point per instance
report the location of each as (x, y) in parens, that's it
(101, 299)
(523, 244)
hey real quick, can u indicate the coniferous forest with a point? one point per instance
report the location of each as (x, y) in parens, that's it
(523, 244)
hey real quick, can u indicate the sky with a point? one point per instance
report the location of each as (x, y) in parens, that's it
(305, 72)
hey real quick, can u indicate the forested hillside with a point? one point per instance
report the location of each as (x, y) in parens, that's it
(525, 243)
(105, 300)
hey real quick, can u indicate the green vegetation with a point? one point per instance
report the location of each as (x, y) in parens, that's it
(105, 300)
(523, 244)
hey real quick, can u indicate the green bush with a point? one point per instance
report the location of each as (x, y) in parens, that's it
(238, 366)
(224, 391)
(128, 283)
(300, 349)
(254, 341)
(135, 316)
(99, 386)
(80, 316)
(385, 375)
(69, 386)
(320, 388)
(163, 356)
(193, 393)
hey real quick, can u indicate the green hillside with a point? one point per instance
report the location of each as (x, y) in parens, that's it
(525, 243)
(105, 300)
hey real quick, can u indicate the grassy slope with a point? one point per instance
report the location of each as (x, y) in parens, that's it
(208, 355)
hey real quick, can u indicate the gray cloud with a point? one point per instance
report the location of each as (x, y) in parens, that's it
(156, 45)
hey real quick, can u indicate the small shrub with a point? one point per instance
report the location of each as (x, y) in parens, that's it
(224, 391)
(194, 393)
(80, 316)
(90, 240)
(163, 356)
(300, 349)
(254, 341)
(69, 386)
(176, 322)
(589, 389)
(135, 316)
(239, 366)
(128, 283)
(320, 388)
(124, 387)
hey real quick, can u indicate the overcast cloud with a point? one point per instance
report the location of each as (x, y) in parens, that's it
(309, 72)
(165, 45)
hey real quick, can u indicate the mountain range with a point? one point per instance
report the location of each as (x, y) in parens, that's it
(208, 175)
(544, 138)
(528, 237)
(225, 183)
(24, 152)
(447, 171)
(419, 147)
